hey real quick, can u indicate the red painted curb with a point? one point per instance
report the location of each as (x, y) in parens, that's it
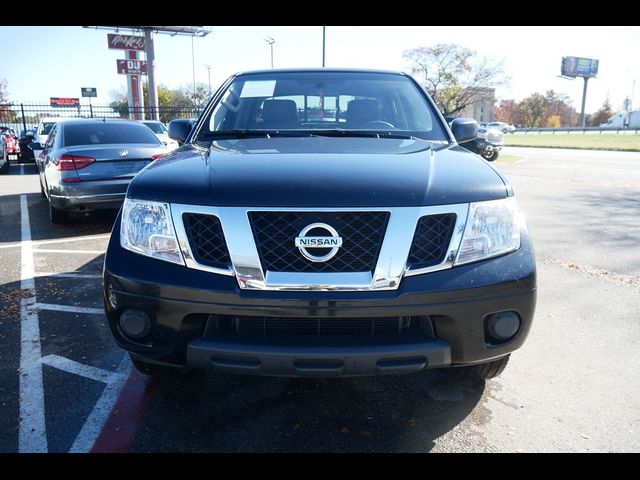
(120, 429)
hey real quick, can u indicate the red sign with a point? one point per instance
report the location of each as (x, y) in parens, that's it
(132, 67)
(125, 42)
(64, 102)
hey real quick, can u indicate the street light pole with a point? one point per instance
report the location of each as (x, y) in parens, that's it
(324, 31)
(209, 75)
(193, 66)
(270, 41)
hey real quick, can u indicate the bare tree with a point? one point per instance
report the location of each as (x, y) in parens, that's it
(6, 113)
(453, 75)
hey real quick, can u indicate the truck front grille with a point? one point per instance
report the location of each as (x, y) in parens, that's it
(207, 240)
(431, 240)
(275, 232)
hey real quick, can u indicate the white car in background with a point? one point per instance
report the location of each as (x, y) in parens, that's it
(502, 126)
(161, 132)
(45, 125)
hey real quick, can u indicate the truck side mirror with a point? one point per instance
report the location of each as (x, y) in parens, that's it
(464, 129)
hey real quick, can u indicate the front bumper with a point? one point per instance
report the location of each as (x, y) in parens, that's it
(181, 301)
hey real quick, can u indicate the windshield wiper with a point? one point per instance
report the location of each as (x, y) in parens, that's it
(246, 133)
(338, 132)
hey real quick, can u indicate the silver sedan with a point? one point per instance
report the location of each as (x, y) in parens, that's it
(87, 164)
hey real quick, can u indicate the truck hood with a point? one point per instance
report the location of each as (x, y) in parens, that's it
(319, 172)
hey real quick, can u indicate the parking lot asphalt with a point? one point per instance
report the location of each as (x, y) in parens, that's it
(64, 385)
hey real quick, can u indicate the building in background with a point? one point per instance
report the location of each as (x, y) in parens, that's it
(482, 109)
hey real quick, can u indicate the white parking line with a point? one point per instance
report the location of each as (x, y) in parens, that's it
(67, 308)
(51, 250)
(92, 427)
(59, 240)
(87, 371)
(68, 275)
(32, 436)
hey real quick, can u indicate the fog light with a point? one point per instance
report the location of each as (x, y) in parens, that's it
(502, 326)
(135, 323)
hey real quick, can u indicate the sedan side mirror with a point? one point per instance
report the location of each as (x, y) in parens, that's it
(464, 129)
(180, 129)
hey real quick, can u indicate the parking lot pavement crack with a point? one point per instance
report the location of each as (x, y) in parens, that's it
(631, 281)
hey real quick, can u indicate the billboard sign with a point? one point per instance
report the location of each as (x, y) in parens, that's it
(132, 67)
(89, 92)
(64, 102)
(579, 67)
(125, 42)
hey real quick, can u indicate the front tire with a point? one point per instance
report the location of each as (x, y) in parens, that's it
(58, 217)
(485, 371)
(489, 156)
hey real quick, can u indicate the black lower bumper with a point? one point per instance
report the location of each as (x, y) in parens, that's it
(181, 303)
(282, 359)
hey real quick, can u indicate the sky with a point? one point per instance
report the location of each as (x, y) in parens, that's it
(61, 60)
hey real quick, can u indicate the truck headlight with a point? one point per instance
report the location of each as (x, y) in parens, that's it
(146, 228)
(492, 229)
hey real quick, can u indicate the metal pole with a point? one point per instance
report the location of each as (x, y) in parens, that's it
(270, 41)
(24, 122)
(584, 99)
(151, 72)
(209, 75)
(90, 108)
(193, 66)
(323, 43)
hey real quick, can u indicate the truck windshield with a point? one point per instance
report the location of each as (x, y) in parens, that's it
(346, 103)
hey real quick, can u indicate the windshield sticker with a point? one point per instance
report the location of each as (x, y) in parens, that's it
(262, 88)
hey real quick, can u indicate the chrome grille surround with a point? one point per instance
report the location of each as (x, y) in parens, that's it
(390, 268)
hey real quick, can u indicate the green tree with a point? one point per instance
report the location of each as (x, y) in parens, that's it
(119, 103)
(603, 114)
(534, 111)
(453, 75)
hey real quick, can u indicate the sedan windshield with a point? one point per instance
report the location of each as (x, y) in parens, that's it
(156, 127)
(323, 103)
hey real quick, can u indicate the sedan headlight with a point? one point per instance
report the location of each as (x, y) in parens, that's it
(146, 228)
(493, 228)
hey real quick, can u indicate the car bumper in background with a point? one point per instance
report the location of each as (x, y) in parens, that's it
(93, 195)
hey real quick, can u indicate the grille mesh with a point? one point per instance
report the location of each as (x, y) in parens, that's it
(361, 232)
(207, 240)
(321, 326)
(431, 240)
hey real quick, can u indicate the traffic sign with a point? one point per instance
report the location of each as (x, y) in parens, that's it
(89, 92)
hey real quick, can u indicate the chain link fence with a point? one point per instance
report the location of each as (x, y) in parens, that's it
(21, 116)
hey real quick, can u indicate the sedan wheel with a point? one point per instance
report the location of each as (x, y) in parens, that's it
(58, 216)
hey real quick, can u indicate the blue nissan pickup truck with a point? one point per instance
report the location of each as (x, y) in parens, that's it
(320, 222)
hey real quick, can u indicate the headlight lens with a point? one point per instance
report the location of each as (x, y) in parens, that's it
(146, 228)
(493, 228)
